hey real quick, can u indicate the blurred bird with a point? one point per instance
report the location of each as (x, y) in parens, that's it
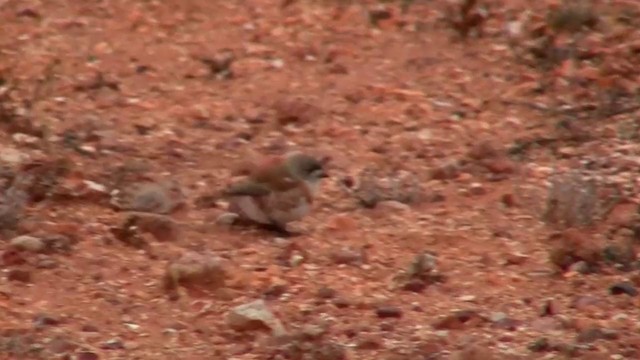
(278, 192)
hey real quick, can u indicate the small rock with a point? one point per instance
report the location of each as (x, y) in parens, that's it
(310, 332)
(347, 256)
(620, 317)
(387, 327)
(342, 303)
(342, 223)
(622, 255)
(442, 333)
(515, 259)
(296, 260)
(159, 198)
(329, 351)
(194, 269)
(623, 288)
(422, 263)
(509, 200)
(594, 333)
(581, 267)
(20, 275)
(420, 274)
(43, 320)
(227, 219)
(89, 328)
(498, 316)
(546, 324)
(369, 342)
(46, 262)
(12, 257)
(388, 312)
(113, 344)
(459, 320)
(586, 302)
(567, 350)
(473, 352)
(500, 166)
(254, 316)
(446, 171)
(477, 189)
(57, 243)
(87, 355)
(572, 246)
(392, 206)
(506, 323)
(161, 227)
(25, 139)
(378, 13)
(326, 293)
(540, 345)
(275, 291)
(96, 187)
(550, 308)
(60, 345)
(220, 63)
(483, 150)
(27, 243)
(11, 156)
(415, 285)
(295, 111)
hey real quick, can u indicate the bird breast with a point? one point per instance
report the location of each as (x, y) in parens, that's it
(279, 207)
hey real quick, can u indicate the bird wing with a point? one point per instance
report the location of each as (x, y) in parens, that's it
(247, 188)
(276, 178)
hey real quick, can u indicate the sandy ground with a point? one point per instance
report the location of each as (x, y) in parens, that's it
(459, 139)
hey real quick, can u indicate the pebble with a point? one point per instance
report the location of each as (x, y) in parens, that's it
(12, 156)
(594, 333)
(347, 256)
(342, 303)
(195, 268)
(539, 345)
(620, 317)
(497, 316)
(326, 293)
(442, 333)
(477, 189)
(113, 344)
(459, 320)
(623, 288)
(19, 275)
(87, 355)
(43, 320)
(89, 328)
(370, 342)
(28, 243)
(253, 316)
(21, 138)
(227, 219)
(388, 312)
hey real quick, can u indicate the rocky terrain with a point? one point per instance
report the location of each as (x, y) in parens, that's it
(482, 202)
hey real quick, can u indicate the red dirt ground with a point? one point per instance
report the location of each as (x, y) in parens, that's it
(407, 95)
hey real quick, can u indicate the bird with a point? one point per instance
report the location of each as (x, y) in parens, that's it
(279, 191)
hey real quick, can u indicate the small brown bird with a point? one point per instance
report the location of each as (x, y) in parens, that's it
(278, 192)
